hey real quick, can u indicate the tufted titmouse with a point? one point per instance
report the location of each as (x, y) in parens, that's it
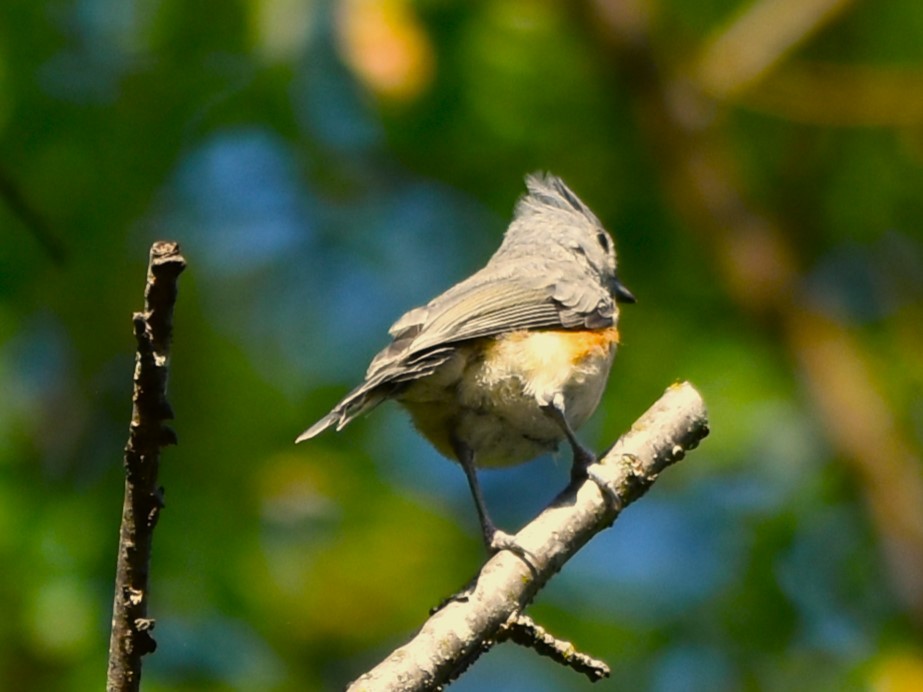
(508, 363)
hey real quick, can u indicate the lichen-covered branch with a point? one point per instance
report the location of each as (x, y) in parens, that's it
(153, 328)
(470, 622)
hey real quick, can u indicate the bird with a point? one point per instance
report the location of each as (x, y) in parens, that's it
(507, 364)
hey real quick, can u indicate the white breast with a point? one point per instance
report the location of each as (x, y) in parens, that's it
(501, 395)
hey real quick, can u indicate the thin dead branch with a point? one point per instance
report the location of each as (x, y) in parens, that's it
(131, 627)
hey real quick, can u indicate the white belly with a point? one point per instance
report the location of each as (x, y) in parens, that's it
(501, 397)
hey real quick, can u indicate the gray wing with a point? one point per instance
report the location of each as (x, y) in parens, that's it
(480, 310)
(495, 300)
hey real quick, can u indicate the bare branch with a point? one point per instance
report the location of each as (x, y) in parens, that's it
(131, 639)
(839, 95)
(470, 622)
(14, 198)
(524, 631)
(759, 39)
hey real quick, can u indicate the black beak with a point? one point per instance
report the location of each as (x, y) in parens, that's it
(622, 294)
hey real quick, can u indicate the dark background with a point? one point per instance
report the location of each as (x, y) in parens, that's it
(328, 165)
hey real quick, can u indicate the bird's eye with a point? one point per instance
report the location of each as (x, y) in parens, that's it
(603, 239)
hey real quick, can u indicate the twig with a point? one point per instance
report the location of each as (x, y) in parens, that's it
(524, 631)
(469, 623)
(131, 639)
(33, 222)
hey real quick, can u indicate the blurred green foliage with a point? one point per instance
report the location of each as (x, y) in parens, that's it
(326, 166)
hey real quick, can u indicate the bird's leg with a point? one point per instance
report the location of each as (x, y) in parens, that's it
(583, 457)
(495, 539)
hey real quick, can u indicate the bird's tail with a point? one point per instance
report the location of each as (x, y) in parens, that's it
(362, 399)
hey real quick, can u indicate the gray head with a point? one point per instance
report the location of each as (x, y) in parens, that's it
(550, 220)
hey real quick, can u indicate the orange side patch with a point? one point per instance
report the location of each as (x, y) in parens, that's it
(582, 343)
(586, 342)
